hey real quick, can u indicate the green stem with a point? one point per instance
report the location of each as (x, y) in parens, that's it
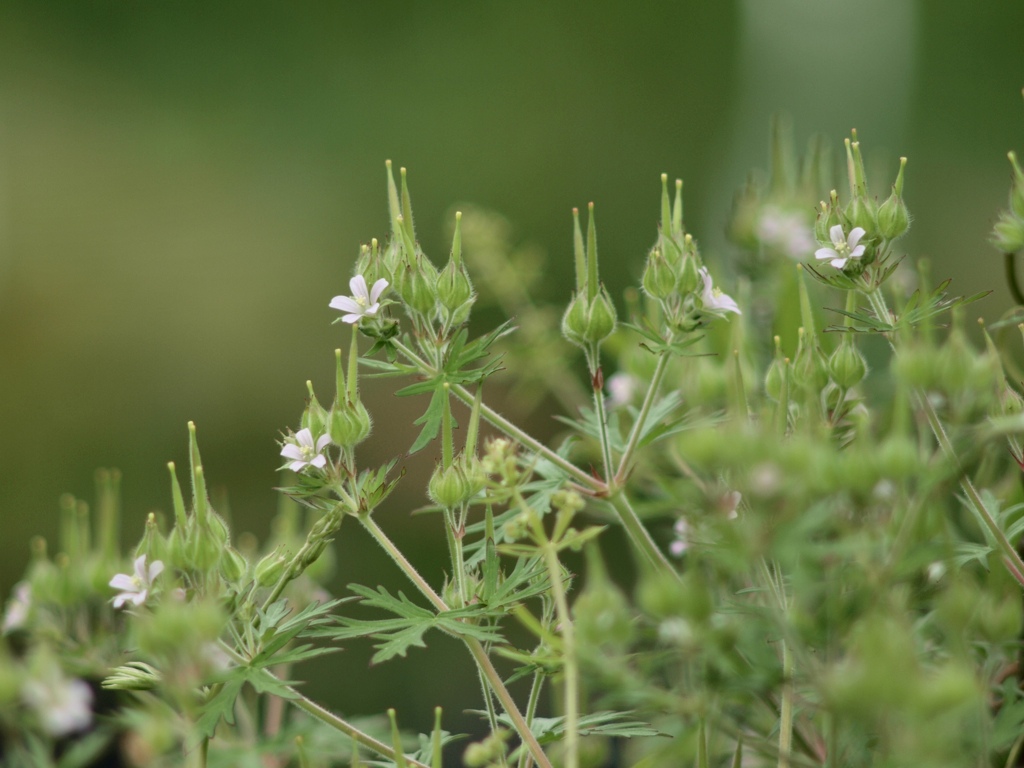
(639, 535)
(602, 422)
(786, 707)
(475, 647)
(641, 419)
(571, 736)
(525, 760)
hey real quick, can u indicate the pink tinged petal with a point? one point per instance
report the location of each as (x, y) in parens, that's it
(371, 310)
(358, 286)
(123, 582)
(839, 263)
(726, 304)
(377, 290)
(319, 462)
(677, 548)
(855, 235)
(345, 304)
(836, 234)
(857, 252)
(351, 319)
(322, 442)
(120, 600)
(139, 597)
(825, 253)
(304, 437)
(291, 451)
(155, 570)
(296, 466)
(140, 567)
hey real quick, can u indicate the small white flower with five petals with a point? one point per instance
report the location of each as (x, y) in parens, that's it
(63, 705)
(135, 588)
(304, 452)
(843, 248)
(363, 302)
(713, 298)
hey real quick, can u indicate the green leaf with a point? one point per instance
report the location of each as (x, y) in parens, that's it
(431, 419)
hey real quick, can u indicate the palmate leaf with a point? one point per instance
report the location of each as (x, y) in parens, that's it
(407, 628)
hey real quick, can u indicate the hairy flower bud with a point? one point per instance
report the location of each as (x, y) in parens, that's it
(847, 365)
(1008, 233)
(659, 279)
(893, 217)
(453, 287)
(350, 423)
(270, 569)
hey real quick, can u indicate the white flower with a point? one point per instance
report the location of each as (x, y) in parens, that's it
(363, 301)
(304, 452)
(135, 588)
(786, 231)
(621, 388)
(62, 705)
(713, 298)
(17, 608)
(843, 248)
(682, 540)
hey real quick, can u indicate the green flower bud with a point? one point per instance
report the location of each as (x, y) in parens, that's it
(689, 274)
(810, 368)
(448, 486)
(271, 568)
(659, 279)
(418, 287)
(574, 321)
(893, 217)
(862, 211)
(350, 423)
(775, 377)
(601, 317)
(453, 287)
(827, 218)
(1008, 233)
(233, 565)
(847, 365)
(315, 417)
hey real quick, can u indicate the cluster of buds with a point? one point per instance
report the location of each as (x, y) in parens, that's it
(675, 275)
(591, 317)
(855, 235)
(429, 295)
(1008, 233)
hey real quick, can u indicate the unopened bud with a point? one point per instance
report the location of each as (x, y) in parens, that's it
(270, 569)
(893, 217)
(350, 423)
(1008, 233)
(847, 365)
(233, 564)
(659, 279)
(453, 287)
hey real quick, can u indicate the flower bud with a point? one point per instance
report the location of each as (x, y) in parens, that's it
(271, 568)
(418, 287)
(1008, 233)
(315, 417)
(453, 287)
(893, 217)
(233, 565)
(1017, 189)
(601, 317)
(847, 365)
(862, 211)
(689, 274)
(827, 218)
(448, 486)
(659, 279)
(810, 368)
(574, 321)
(350, 423)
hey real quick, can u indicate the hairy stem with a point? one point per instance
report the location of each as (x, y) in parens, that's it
(641, 419)
(639, 535)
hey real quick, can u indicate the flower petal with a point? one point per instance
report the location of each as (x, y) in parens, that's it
(358, 286)
(155, 569)
(836, 234)
(319, 462)
(352, 319)
(297, 466)
(305, 437)
(291, 451)
(345, 304)
(377, 290)
(322, 442)
(839, 263)
(857, 252)
(123, 582)
(855, 235)
(825, 253)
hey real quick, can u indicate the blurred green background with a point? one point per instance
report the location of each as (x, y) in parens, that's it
(184, 186)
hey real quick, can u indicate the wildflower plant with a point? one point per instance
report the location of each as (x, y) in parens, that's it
(825, 564)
